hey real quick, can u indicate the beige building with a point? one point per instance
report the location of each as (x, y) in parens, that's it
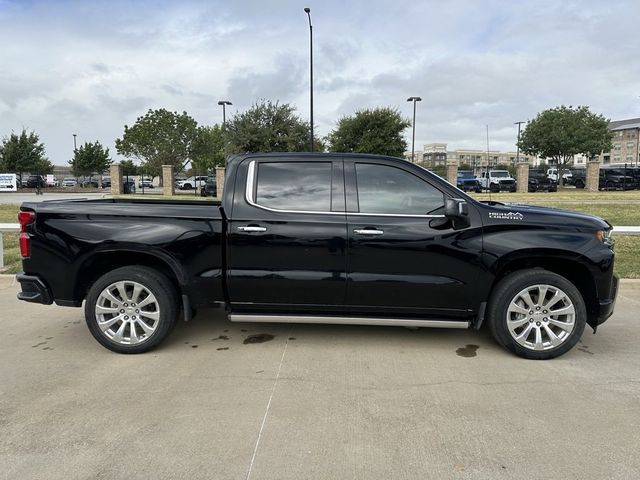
(436, 154)
(626, 143)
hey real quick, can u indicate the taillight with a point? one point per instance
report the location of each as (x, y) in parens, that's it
(25, 218)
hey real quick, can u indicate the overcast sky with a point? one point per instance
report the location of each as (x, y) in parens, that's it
(90, 67)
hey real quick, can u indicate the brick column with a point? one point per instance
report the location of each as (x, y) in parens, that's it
(593, 175)
(168, 180)
(115, 172)
(452, 172)
(219, 181)
(522, 176)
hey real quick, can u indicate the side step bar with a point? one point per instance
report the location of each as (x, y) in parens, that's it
(394, 322)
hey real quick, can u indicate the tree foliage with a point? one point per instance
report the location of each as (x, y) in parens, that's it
(129, 168)
(268, 127)
(160, 137)
(24, 153)
(91, 158)
(375, 130)
(208, 151)
(562, 132)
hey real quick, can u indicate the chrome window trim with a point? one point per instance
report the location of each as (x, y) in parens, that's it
(252, 175)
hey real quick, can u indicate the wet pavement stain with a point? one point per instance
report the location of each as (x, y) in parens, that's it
(292, 338)
(194, 346)
(47, 348)
(223, 348)
(225, 331)
(258, 338)
(468, 351)
(243, 330)
(584, 348)
(38, 344)
(220, 337)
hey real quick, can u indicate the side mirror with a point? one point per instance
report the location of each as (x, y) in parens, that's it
(456, 208)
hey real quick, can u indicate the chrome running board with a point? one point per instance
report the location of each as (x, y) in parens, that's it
(393, 322)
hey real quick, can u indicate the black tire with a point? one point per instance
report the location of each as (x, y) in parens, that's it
(579, 184)
(509, 287)
(494, 188)
(157, 284)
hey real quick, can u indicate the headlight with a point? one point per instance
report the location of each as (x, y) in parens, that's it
(605, 236)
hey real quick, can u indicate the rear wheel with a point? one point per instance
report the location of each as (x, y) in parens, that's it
(536, 314)
(579, 184)
(131, 309)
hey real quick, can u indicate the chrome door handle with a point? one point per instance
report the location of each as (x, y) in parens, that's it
(368, 232)
(252, 229)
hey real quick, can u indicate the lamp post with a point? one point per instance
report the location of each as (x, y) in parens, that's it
(518, 144)
(74, 143)
(413, 135)
(224, 104)
(308, 12)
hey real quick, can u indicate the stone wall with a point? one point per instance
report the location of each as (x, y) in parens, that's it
(522, 177)
(116, 179)
(168, 180)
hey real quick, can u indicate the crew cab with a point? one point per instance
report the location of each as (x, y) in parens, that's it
(498, 181)
(323, 238)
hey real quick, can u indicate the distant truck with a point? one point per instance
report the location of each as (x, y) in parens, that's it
(467, 182)
(498, 181)
(567, 176)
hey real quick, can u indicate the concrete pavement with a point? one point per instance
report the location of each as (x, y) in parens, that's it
(317, 402)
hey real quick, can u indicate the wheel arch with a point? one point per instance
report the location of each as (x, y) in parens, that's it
(573, 269)
(102, 262)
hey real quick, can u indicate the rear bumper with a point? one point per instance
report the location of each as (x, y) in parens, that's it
(34, 290)
(607, 306)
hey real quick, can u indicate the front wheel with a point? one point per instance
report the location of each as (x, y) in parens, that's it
(536, 314)
(131, 309)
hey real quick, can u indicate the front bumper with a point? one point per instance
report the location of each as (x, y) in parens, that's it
(607, 306)
(34, 290)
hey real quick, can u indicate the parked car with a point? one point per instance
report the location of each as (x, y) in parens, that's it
(192, 182)
(69, 182)
(323, 238)
(36, 181)
(145, 182)
(467, 182)
(540, 182)
(498, 181)
(89, 182)
(567, 175)
(106, 182)
(210, 188)
(615, 178)
(51, 181)
(128, 185)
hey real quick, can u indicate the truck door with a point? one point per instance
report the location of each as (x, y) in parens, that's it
(287, 235)
(404, 256)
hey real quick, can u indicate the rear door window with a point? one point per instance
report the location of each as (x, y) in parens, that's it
(294, 186)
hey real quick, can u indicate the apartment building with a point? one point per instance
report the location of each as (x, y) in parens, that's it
(436, 154)
(626, 143)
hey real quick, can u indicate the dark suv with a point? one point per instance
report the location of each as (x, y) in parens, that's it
(36, 181)
(210, 188)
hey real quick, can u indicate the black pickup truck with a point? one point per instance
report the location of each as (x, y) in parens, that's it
(323, 238)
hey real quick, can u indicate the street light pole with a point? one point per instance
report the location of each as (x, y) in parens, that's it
(74, 143)
(308, 12)
(224, 104)
(413, 134)
(518, 144)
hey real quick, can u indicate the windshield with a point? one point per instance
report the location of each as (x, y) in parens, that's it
(500, 174)
(465, 174)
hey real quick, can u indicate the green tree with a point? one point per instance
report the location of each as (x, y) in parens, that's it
(129, 168)
(373, 130)
(560, 133)
(208, 149)
(268, 127)
(24, 153)
(91, 158)
(159, 137)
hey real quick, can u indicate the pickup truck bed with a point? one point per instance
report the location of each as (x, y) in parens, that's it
(78, 241)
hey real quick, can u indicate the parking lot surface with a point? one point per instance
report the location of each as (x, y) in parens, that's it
(264, 401)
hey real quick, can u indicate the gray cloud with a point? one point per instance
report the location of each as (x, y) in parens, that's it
(90, 68)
